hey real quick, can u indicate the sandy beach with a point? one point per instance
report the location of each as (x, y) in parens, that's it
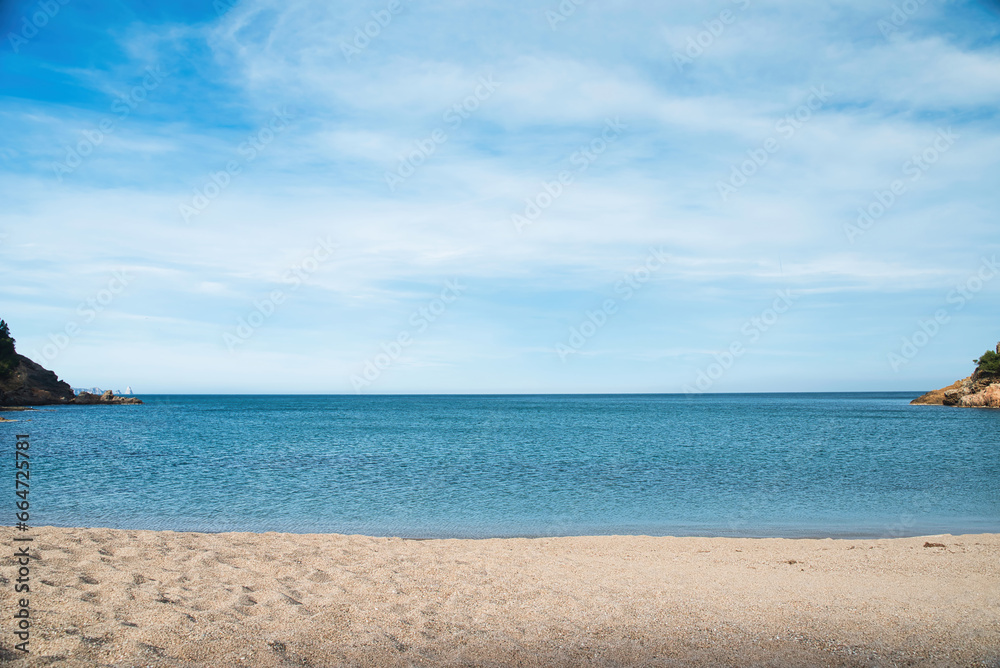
(147, 598)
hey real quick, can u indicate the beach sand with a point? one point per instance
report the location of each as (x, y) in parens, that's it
(153, 598)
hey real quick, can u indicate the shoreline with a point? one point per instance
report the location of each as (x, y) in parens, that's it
(168, 598)
(840, 536)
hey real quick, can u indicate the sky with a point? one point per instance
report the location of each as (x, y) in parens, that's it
(392, 196)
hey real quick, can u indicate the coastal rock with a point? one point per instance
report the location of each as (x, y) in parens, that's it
(980, 390)
(32, 385)
(953, 396)
(107, 398)
(987, 398)
(26, 383)
(938, 397)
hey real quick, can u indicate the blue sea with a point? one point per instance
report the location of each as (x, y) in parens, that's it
(795, 465)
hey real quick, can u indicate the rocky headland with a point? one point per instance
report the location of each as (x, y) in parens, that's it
(30, 384)
(980, 390)
(26, 383)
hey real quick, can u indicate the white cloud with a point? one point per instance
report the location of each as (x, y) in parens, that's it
(656, 185)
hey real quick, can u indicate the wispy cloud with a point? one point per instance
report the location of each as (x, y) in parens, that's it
(355, 119)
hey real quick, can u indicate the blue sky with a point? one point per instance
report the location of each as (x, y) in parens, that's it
(501, 196)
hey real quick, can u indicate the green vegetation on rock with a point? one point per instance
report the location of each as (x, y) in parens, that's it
(8, 356)
(988, 363)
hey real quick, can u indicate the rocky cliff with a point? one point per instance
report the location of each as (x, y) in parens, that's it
(29, 384)
(25, 383)
(980, 390)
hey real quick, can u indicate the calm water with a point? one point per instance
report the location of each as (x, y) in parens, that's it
(472, 466)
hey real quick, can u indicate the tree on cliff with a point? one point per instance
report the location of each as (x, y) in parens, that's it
(8, 356)
(989, 362)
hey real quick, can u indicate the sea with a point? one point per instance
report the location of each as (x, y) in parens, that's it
(478, 466)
